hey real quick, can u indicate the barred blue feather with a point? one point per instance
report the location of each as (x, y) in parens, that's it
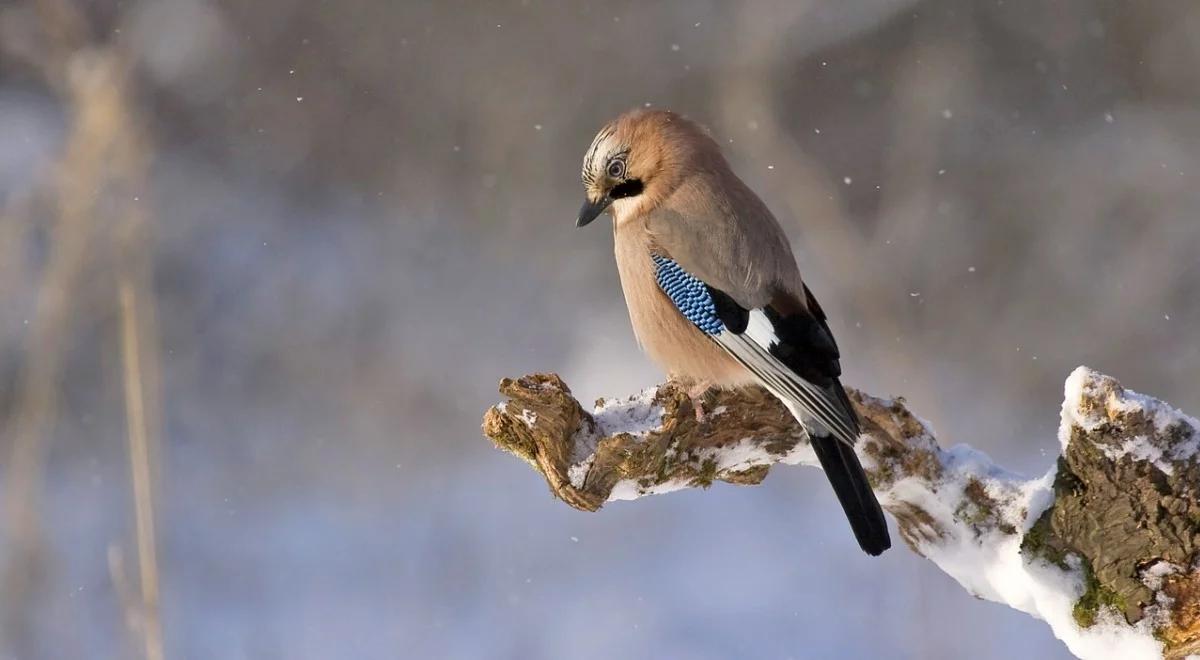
(690, 296)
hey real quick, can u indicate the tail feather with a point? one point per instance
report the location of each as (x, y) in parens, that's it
(853, 490)
(850, 483)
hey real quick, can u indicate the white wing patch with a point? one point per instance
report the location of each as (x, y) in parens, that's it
(759, 329)
(817, 409)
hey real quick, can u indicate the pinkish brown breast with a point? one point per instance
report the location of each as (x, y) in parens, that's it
(671, 341)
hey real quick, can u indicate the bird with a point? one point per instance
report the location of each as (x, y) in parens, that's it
(714, 294)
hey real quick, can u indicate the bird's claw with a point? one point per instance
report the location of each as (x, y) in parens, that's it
(696, 394)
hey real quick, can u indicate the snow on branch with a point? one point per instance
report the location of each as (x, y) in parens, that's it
(1105, 547)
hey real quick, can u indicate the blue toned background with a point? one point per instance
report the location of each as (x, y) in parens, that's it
(358, 217)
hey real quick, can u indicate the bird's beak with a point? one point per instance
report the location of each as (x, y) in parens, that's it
(592, 209)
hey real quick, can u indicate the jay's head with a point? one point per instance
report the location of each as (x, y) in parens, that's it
(637, 159)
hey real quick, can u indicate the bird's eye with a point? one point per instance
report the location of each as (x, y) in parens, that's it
(616, 169)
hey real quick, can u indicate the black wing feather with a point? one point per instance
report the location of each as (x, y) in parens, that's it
(734, 316)
(805, 346)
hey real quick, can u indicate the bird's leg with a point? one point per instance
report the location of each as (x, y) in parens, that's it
(696, 393)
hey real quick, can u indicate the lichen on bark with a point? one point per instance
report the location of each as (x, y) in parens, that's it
(1123, 513)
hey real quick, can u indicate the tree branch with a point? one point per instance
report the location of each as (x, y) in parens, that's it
(1104, 547)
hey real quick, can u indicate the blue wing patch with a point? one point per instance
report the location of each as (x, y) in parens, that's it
(690, 296)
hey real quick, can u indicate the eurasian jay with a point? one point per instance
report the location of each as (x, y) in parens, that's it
(713, 291)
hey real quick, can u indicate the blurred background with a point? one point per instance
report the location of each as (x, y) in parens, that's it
(263, 263)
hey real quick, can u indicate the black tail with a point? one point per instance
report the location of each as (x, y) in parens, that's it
(853, 490)
(850, 483)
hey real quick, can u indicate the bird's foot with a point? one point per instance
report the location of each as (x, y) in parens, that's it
(697, 394)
